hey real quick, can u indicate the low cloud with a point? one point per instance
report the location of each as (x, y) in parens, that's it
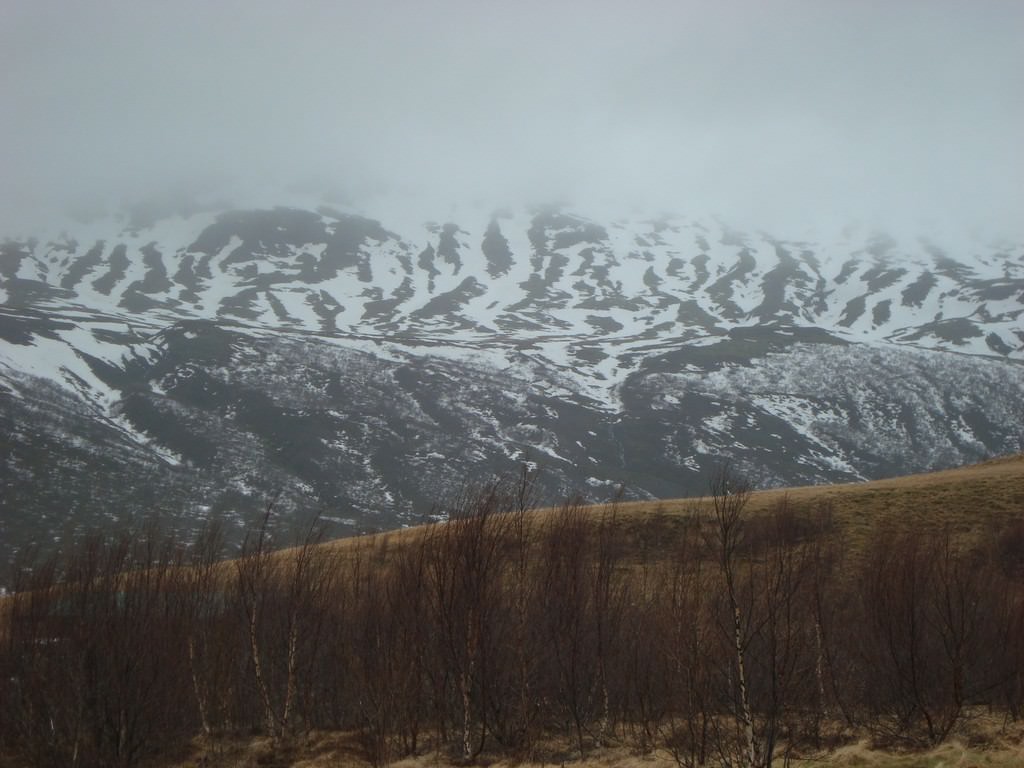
(779, 115)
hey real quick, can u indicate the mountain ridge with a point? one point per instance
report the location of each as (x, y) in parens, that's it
(365, 369)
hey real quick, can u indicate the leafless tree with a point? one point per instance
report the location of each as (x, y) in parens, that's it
(466, 577)
(729, 497)
(283, 595)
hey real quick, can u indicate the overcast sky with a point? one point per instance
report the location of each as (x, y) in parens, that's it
(767, 113)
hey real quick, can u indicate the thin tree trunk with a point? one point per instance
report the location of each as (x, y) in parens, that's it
(819, 668)
(467, 749)
(204, 716)
(254, 649)
(746, 715)
(290, 684)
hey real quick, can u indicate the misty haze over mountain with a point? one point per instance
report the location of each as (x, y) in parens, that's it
(783, 115)
(348, 255)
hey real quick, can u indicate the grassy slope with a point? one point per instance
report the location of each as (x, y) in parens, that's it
(968, 500)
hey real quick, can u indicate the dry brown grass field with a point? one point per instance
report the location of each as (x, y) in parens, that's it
(969, 501)
(998, 484)
(993, 744)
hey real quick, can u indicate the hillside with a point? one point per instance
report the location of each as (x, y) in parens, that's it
(198, 361)
(970, 500)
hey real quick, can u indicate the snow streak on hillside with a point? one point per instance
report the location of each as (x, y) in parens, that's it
(199, 363)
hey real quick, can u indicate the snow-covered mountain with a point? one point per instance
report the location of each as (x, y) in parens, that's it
(207, 361)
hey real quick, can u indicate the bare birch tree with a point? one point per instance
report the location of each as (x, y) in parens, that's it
(729, 496)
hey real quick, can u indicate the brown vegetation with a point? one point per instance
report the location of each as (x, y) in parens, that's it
(737, 630)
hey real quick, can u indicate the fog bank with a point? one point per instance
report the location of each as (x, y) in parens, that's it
(778, 115)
